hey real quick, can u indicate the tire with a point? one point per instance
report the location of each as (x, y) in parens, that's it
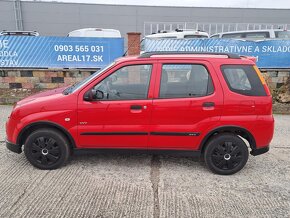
(226, 154)
(46, 149)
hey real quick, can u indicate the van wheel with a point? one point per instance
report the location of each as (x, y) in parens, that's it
(226, 154)
(46, 149)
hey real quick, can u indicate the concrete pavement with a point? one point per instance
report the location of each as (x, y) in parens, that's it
(114, 185)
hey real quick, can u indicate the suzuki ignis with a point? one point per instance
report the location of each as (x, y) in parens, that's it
(214, 105)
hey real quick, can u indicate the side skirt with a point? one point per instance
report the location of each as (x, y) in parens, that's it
(183, 153)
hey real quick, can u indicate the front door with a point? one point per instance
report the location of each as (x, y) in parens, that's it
(186, 103)
(120, 117)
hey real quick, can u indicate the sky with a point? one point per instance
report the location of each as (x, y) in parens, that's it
(281, 4)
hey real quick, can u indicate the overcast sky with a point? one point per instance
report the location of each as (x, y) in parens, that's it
(194, 3)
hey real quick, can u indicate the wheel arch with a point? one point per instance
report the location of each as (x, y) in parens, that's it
(237, 130)
(24, 133)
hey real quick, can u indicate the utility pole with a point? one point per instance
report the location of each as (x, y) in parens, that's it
(18, 15)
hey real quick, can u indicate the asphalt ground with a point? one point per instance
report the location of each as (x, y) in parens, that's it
(115, 185)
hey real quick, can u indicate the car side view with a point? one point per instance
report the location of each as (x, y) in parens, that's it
(213, 105)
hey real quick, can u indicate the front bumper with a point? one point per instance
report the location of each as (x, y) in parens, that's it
(12, 147)
(259, 151)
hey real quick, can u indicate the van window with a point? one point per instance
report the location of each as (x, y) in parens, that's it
(165, 37)
(194, 36)
(257, 35)
(232, 35)
(282, 34)
(185, 81)
(243, 79)
(215, 36)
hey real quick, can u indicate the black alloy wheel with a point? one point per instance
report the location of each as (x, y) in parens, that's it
(226, 154)
(46, 149)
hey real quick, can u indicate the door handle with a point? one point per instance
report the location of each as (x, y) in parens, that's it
(136, 107)
(208, 104)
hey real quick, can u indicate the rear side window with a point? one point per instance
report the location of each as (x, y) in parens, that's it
(258, 35)
(233, 35)
(243, 79)
(194, 36)
(282, 34)
(185, 81)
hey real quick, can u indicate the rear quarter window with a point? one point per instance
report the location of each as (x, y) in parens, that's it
(243, 79)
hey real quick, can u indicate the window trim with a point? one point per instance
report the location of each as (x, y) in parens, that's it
(137, 99)
(185, 63)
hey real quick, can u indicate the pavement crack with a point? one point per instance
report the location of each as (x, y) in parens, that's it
(155, 178)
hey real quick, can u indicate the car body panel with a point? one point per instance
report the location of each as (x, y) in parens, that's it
(174, 124)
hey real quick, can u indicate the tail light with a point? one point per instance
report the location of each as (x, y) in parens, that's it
(267, 90)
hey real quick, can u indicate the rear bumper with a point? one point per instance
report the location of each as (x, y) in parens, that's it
(259, 151)
(12, 147)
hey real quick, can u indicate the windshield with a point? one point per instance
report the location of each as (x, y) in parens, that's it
(85, 81)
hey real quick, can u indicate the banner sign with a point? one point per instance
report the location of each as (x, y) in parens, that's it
(58, 52)
(269, 53)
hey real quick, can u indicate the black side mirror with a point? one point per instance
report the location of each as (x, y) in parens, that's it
(99, 94)
(92, 95)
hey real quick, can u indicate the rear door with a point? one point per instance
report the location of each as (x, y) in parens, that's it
(186, 102)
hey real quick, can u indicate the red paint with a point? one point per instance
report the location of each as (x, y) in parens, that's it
(179, 115)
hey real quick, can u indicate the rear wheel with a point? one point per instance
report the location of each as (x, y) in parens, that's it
(46, 149)
(226, 154)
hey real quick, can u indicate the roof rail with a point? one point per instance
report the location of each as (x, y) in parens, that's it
(149, 54)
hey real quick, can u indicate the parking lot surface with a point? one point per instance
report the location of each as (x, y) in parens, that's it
(115, 185)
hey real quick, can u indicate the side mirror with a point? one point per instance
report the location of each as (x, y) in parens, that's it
(92, 95)
(99, 94)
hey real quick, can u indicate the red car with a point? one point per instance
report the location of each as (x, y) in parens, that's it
(215, 105)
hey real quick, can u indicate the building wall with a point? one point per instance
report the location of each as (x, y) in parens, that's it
(57, 19)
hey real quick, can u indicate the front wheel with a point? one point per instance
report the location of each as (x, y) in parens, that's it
(226, 154)
(46, 149)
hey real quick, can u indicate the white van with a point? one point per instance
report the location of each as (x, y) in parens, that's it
(255, 34)
(179, 34)
(95, 32)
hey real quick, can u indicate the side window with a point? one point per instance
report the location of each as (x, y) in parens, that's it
(237, 79)
(243, 79)
(215, 36)
(258, 35)
(127, 83)
(194, 36)
(184, 81)
(233, 35)
(282, 34)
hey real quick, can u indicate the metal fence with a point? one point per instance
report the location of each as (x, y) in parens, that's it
(210, 28)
